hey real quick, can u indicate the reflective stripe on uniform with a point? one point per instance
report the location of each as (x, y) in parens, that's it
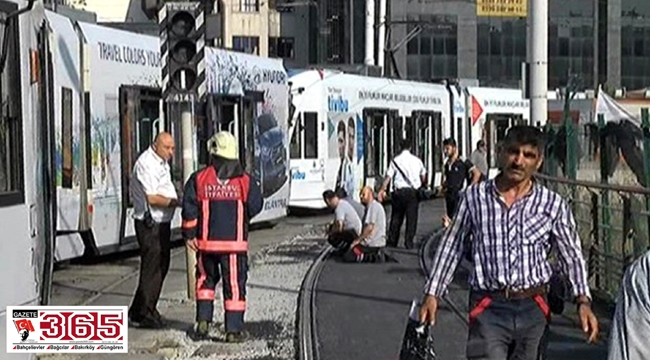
(235, 305)
(190, 224)
(222, 246)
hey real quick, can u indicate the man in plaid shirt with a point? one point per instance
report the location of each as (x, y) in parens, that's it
(514, 221)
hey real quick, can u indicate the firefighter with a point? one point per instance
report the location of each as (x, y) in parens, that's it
(218, 203)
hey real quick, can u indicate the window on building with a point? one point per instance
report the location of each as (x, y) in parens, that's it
(572, 42)
(249, 5)
(501, 48)
(433, 53)
(11, 154)
(285, 6)
(310, 122)
(635, 49)
(247, 44)
(281, 47)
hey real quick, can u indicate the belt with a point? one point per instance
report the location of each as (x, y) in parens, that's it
(508, 293)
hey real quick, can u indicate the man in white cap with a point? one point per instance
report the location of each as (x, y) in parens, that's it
(218, 203)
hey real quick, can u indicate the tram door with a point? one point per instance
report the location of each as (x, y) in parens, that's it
(379, 140)
(395, 132)
(496, 126)
(426, 132)
(140, 122)
(237, 115)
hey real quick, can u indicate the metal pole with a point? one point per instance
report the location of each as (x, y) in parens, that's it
(370, 33)
(606, 218)
(539, 61)
(187, 144)
(381, 35)
(351, 16)
(645, 126)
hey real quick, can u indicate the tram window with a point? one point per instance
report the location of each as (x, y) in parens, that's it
(247, 133)
(459, 140)
(67, 170)
(296, 139)
(497, 126)
(10, 159)
(411, 133)
(372, 144)
(311, 135)
(470, 141)
(397, 130)
(437, 142)
(11, 154)
(147, 124)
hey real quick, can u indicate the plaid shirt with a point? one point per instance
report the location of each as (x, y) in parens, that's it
(510, 246)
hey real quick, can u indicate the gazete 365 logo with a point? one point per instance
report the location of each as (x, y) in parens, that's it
(70, 329)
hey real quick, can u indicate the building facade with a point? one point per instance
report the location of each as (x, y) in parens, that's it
(324, 32)
(600, 41)
(251, 26)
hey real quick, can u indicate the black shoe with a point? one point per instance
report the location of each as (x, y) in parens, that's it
(148, 323)
(134, 321)
(159, 318)
(409, 245)
(236, 337)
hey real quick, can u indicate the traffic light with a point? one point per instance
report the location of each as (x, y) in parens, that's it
(182, 44)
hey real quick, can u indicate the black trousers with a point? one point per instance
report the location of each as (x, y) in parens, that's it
(452, 198)
(507, 329)
(341, 240)
(363, 254)
(232, 269)
(155, 250)
(404, 203)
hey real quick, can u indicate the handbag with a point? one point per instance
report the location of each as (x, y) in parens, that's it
(148, 220)
(417, 343)
(422, 192)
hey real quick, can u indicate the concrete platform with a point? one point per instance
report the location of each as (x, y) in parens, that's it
(278, 259)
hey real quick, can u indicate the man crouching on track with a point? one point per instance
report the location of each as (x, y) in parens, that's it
(218, 204)
(347, 224)
(369, 246)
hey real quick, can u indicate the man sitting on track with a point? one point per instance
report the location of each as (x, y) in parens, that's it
(347, 223)
(368, 247)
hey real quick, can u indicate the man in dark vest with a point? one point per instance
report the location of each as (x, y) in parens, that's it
(218, 204)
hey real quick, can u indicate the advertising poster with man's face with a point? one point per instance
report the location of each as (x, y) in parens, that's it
(342, 141)
(342, 146)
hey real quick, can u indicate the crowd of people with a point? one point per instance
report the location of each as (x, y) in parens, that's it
(504, 226)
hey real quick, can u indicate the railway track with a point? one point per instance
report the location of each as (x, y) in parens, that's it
(307, 332)
(307, 339)
(426, 253)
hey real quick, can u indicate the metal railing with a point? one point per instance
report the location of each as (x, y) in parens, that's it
(613, 223)
(613, 220)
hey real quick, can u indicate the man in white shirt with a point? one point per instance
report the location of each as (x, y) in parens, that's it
(408, 174)
(347, 223)
(358, 207)
(368, 246)
(154, 201)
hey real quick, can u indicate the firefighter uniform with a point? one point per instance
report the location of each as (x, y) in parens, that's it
(217, 212)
